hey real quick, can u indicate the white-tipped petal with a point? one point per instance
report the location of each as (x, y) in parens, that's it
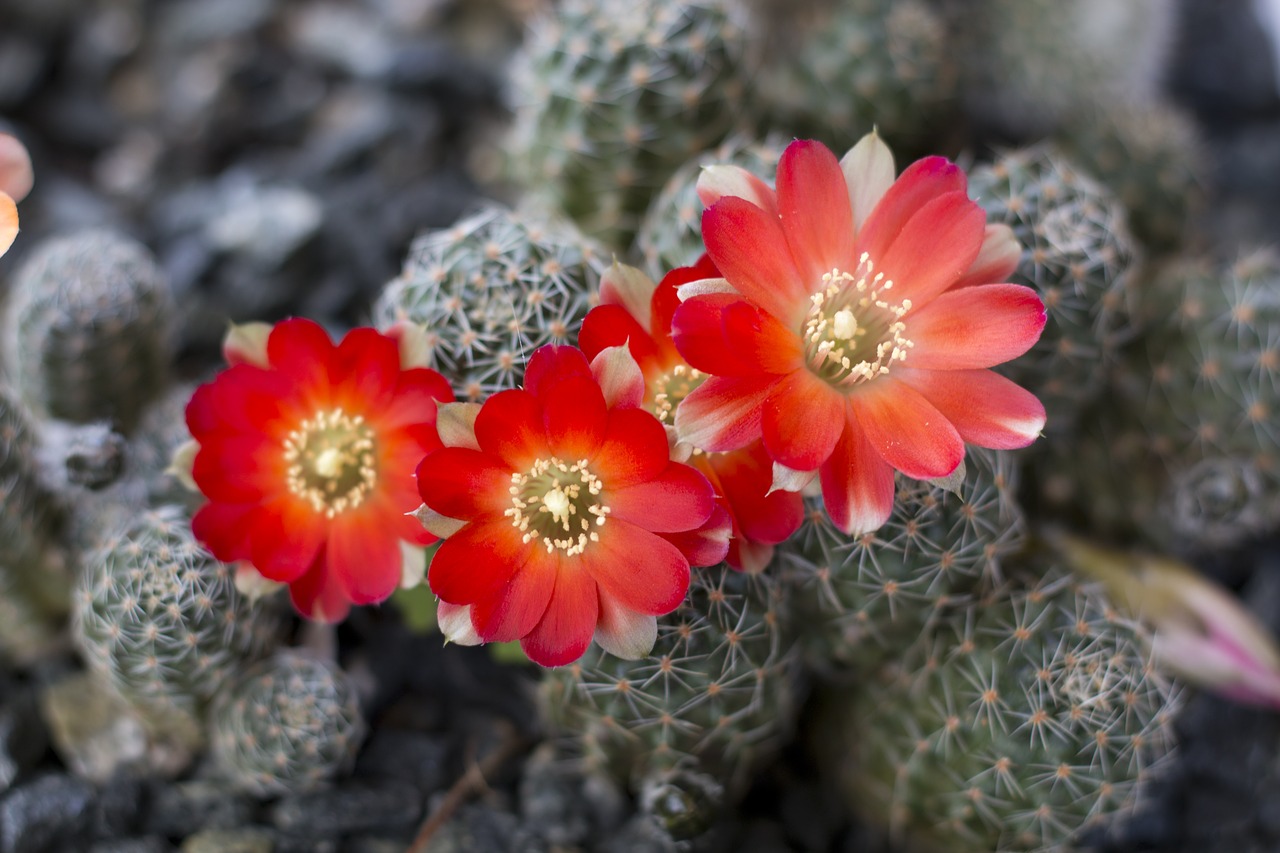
(456, 424)
(183, 463)
(455, 623)
(716, 182)
(625, 633)
(414, 344)
(789, 479)
(952, 482)
(246, 343)
(630, 288)
(413, 564)
(619, 378)
(251, 584)
(997, 259)
(868, 172)
(704, 286)
(436, 524)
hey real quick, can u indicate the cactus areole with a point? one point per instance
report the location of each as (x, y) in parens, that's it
(306, 453)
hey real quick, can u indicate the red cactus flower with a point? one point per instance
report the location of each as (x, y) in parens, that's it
(563, 514)
(15, 182)
(635, 312)
(854, 325)
(306, 453)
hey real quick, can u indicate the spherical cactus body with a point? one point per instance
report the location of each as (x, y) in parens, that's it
(88, 329)
(286, 724)
(612, 96)
(490, 291)
(1019, 721)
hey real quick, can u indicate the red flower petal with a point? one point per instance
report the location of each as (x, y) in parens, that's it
(802, 420)
(817, 220)
(635, 449)
(554, 363)
(225, 529)
(985, 408)
(906, 430)
(574, 417)
(364, 371)
(414, 400)
(301, 350)
(996, 261)
(748, 247)
(611, 326)
(745, 477)
(8, 222)
(319, 595)
(241, 399)
(707, 545)
(464, 483)
(726, 335)
(365, 556)
(678, 499)
(239, 468)
(520, 606)
(509, 427)
(724, 412)
(565, 630)
(975, 327)
(933, 249)
(749, 557)
(857, 484)
(286, 535)
(920, 183)
(637, 569)
(477, 562)
(666, 298)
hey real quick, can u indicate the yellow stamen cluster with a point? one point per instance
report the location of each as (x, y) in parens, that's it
(853, 333)
(555, 502)
(332, 461)
(672, 387)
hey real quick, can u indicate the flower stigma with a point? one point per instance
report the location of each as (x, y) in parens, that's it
(331, 459)
(853, 333)
(557, 503)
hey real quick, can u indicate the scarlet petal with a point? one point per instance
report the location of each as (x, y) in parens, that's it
(745, 478)
(574, 417)
(975, 327)
(477, 562)
(611, 326)
(921, 182)
(907, 431)
(635, 449)
(286, 537)
(985, 408)
(802, 421)
(707, 545)
(624, 633)
(224, 529)
(747, 556)
(319, 595)
(464, 483)
(364, 370)
(414, 400)
(8, 222)
(565, 630)
(509, 427)
(637, 569)
(813, 201)
(518, 608)
(553, 363)
(749, 248)
(678, 499)
(857, 484)
(724, 412)
(725, 335)
(239, 468)
(244, 399)
(933, 249)
(364, 554)
(301, 349)
(666, 298)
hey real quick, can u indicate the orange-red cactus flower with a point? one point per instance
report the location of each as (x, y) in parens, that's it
(854, 325)
(16, 179)
(564, 518)
(306, 452)
(635, 312)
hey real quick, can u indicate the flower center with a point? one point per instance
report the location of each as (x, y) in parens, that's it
(672, 387)
(853, 332)
(558, 503)
(331, 461)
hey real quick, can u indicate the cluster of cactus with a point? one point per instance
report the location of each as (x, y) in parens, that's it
(490, 291)
(1016, 722)
(1078, 255)
(286, 724)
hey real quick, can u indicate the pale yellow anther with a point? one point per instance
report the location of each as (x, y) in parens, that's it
(852, 334)
(844, 324)
(331, 462)
(549, 503)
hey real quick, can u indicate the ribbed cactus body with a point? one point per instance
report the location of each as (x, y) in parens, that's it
(835, 69)
(490, 291)
(612, 96)
(867, 597)
(88, 329)
(716, 696)
(1019, 721)
(162, 620)
(671, 234)
(286, 724)
(1078, 255)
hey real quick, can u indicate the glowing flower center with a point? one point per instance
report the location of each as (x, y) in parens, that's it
(332, 461)
(558, 503)
(853, 333)
(672, 387)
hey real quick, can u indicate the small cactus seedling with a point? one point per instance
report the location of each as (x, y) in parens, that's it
(1078, 255)
(285, 725)
(716, 696)
(490, 291)
(87, 332)
(612, 96)
(867, 597)
(1019, 721)
(162, 621)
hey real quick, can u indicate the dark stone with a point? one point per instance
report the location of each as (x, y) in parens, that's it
(118, 809)
(1224, 65)
(349, 808)
(415, 758)
(23, 740)
(48, 813)
(145, 844)
(184, 808)
(480, 826)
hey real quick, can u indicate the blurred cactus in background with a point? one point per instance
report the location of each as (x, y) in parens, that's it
(88, 330)
(490, 291)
